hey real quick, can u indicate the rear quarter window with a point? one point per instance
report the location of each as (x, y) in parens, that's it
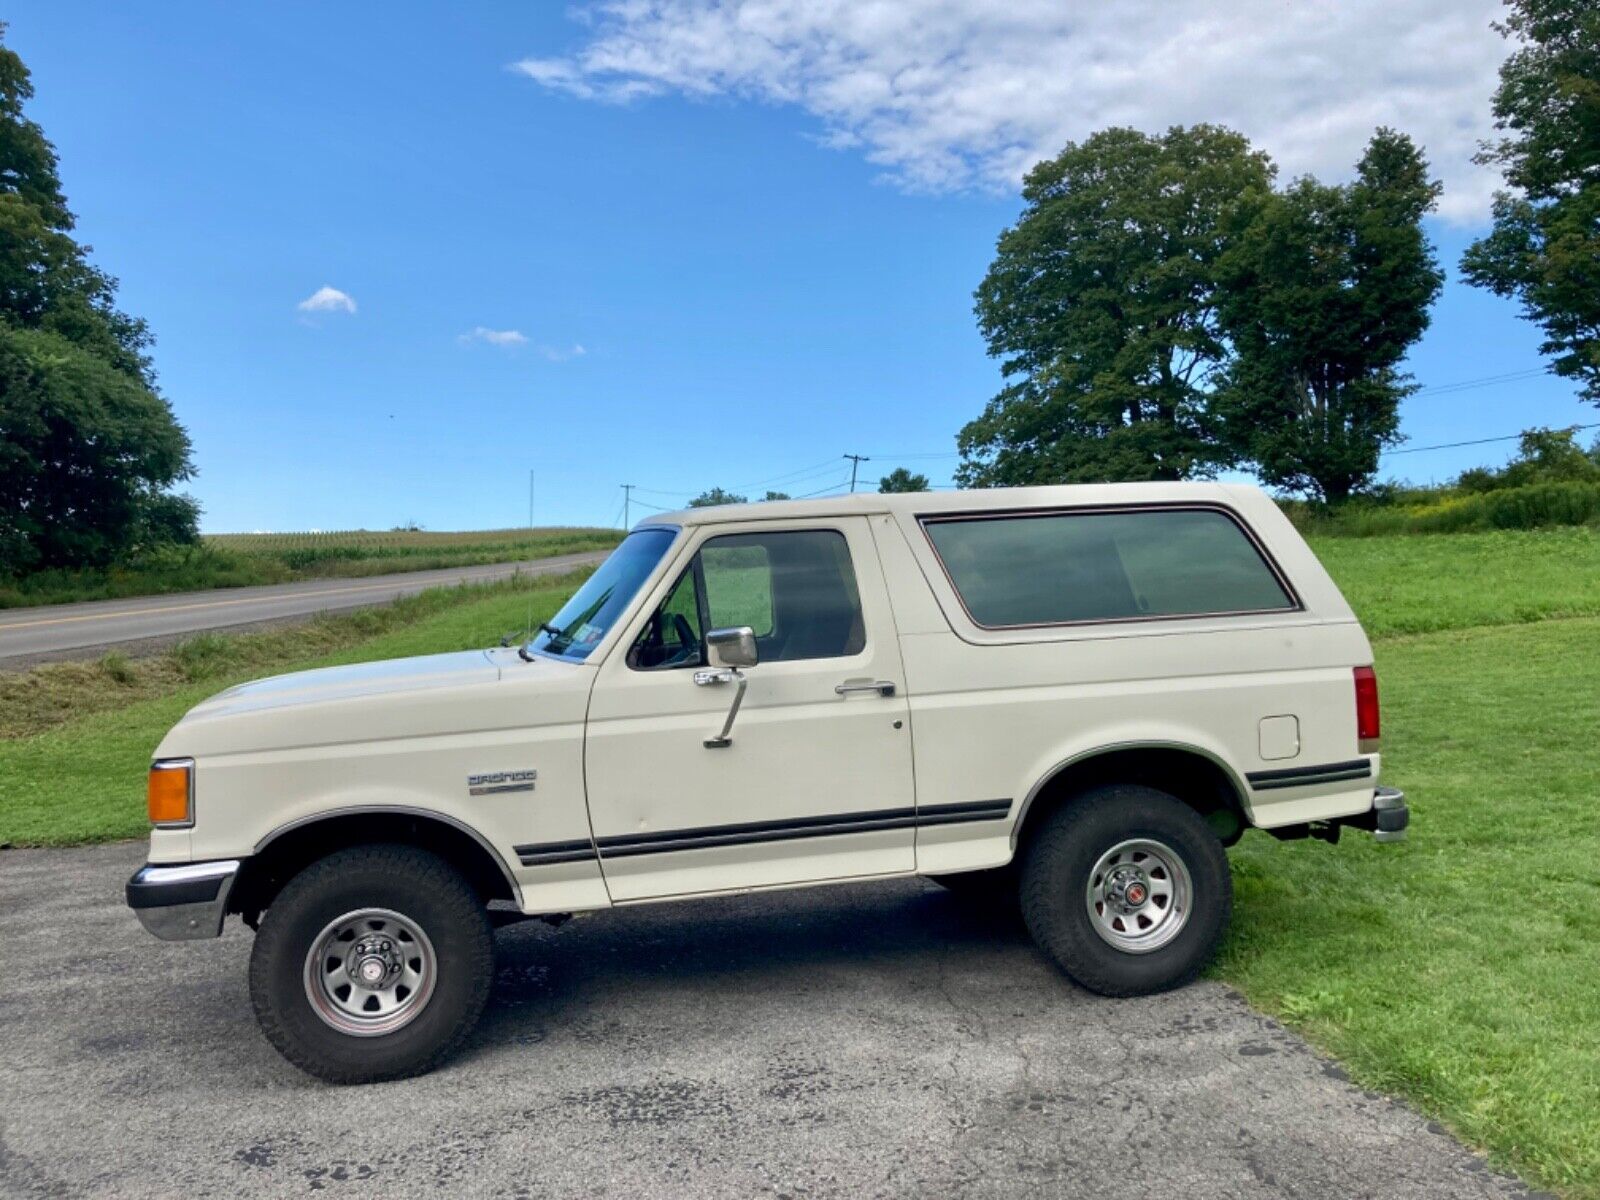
(1129, 565)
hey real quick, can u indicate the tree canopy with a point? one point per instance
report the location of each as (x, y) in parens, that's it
(1321, 292)
(714, 496)
(1161, 311)
(902, 480)
(1101, 306)
(1544, 248)
(88, 446)
(1543, 456)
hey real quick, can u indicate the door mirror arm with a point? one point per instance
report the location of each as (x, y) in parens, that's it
(727, 650)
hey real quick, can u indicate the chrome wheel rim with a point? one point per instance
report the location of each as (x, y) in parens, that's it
(370, 972)
(1139, 896)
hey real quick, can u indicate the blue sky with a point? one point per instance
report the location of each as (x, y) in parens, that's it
(727, 262)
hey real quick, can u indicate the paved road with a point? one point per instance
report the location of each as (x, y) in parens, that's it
(63, 630)
(871, 1040)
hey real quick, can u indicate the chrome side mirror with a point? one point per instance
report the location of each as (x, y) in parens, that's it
(731, 648)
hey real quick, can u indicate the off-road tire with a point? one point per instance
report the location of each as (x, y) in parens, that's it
(1056, 873)
(426, 890)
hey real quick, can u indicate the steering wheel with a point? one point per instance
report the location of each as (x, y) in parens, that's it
(686, 637)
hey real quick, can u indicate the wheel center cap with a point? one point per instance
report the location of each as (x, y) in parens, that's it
(1136, 894)
(371, 971)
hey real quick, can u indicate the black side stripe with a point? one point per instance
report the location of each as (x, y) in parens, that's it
(956, 814)
(551, 853)
(755, 832)
(1264, 781)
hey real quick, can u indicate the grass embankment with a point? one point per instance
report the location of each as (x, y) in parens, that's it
(1452, 510)
(242, 559)
(1454, 969)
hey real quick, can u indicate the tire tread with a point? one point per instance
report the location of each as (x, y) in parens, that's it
(1053, 915)
(419, 868)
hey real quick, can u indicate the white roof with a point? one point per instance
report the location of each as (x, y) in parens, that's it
(977, 500)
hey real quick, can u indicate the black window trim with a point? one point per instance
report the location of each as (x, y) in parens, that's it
(942, 518)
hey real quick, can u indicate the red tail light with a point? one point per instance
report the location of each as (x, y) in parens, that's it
(1367, 707)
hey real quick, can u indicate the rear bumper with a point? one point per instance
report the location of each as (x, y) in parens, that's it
(183, 902)
(1388, 818)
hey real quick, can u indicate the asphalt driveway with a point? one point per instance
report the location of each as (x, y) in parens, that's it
(874, 1040)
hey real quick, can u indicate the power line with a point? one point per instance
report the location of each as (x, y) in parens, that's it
(1509, 437)
(1467, 385)
(832, 487)
(799, 475)
(788, 475)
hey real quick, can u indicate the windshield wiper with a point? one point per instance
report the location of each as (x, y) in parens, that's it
(556, 635)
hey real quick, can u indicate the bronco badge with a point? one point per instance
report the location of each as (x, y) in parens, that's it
(493, 782)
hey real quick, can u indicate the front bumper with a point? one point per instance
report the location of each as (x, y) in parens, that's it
(183, 902)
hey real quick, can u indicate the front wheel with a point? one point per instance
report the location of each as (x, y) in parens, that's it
(373, 963)
(1128, 889)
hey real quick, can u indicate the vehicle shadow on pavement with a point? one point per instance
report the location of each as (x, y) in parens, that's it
(753, 943)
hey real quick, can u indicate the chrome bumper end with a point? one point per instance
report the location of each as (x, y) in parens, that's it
(182, 902)
(1390, 815)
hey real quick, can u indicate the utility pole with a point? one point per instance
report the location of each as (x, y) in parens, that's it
(627, 504)
(530, 499)
(855, 461)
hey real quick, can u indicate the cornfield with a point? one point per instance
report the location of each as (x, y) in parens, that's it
(316, 552)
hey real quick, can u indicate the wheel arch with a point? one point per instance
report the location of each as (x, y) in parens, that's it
(296, 844)
(1199, 777)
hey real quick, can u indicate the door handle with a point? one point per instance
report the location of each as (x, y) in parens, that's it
(882, 686)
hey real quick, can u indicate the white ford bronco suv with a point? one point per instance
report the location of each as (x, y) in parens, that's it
(1076, 695)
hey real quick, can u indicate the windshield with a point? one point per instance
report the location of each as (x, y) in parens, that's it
(604, 596)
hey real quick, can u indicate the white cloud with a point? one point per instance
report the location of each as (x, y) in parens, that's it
(950, 94)
(327, 299)
(562, 353)
(495, 337)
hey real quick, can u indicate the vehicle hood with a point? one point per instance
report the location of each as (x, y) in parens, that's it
(472, 691)
(464, 668)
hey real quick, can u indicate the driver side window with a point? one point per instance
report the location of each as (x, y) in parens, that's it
(795, 588)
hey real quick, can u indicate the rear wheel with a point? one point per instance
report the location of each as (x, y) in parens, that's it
(1128, 889)
(373, 963)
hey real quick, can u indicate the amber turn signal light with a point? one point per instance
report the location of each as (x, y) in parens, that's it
(169, 794)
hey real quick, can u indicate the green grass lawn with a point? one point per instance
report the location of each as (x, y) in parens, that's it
(1456, 969)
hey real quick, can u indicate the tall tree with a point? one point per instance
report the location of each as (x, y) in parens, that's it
(1323, 290)
(1101, 306)
(1544, 249)
(88, 447)
(902, 480)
